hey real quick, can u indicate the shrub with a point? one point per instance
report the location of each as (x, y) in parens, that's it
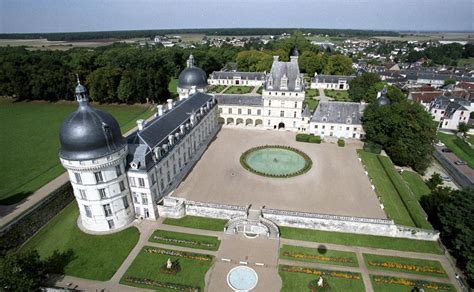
(372, 148)
(315, 139)
(341, 143)
(303, 137)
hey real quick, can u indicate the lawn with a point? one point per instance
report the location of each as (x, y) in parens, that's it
(239, 89)
(416, 184)
(96, 257)
(198, 223)
(468, 61)
(30, 158)
(338, 95)
(147, 266)
(260, 90)
(312, 103)
(298, 281)
(312, 92)
(318, 255)
(393, 205)
(173, 87)
(363, 240)
(393, 284)
(461, 152)
(405, 265)
(216, 88)
(185, 239)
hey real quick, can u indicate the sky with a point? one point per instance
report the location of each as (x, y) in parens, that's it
(24, 16)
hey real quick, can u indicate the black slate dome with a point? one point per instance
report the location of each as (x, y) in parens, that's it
(192, 76)
(89, 133)
(382, 101)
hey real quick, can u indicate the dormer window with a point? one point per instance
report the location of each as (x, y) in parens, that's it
(270, 82)
(297, 83)
(284, 82)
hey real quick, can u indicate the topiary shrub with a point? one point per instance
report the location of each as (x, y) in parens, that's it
(302, 137)
(315, 139)
(341, 143)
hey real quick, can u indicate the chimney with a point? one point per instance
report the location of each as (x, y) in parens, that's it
(160, 109)
(170, 103)
(170, 139)
(181, 129)
(140, 124)
(275, 58)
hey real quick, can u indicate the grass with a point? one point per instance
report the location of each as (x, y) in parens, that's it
(363, 240)
(312, 103)
(30, 158)
(147, 265)
(173, 86)
(407, 285)
(405, 261)
(470, 138)
(468, 61)
(416, 184)
(299, 282)
(260, 90)
(449, 141)
(186, 239)
(198, 223)
(312, 92)
(239, 89)
(96, 257)
(393, 205)
(338, 95)
(216, 88)
(320, 255)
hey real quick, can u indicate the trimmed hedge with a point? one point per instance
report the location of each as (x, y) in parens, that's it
(308, 138)
(416, 212)
(315, 139)
(341, 143)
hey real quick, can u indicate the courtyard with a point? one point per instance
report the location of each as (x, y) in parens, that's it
(335, 184)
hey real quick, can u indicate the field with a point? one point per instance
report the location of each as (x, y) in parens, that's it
(337, 95)
(453, 142)
(185, 239)
(197, 223)
(30, 157)
(44, 44)
(360, 240)
(315, 255)
(95, 257)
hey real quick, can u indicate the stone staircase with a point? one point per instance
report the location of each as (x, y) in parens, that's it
(253, 223)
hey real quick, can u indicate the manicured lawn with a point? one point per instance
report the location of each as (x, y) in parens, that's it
(404, 265)
(198, 223)
(96, 257)
(416, 184)
(312, 92)
(294, 281)
(338, 95)
(471, 137)
(147, 266)
(462, 62)
(185, 239)
(315, 255)
(449, 141)
(393, 205)
(216, 88)
(360, 240)
(312, 103)
(393, 284)
(31, 142)
(259, 90)
(239, 89)
(173, 87)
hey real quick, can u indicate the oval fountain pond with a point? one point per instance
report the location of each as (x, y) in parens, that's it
(242, 278)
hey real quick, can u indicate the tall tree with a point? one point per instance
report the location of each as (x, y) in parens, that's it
(359, 86)
(339, 65)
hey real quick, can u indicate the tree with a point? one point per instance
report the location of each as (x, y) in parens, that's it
(434, 181)
(463, 128)
(21, 271)
(449, 81)
(359, 86)
(339, 65)
(404, 129)
(311, 62)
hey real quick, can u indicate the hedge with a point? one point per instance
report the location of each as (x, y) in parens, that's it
(341, 143)
(416, 212)
(308, 138)
(315, 139)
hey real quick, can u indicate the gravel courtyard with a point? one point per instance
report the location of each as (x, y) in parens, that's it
(336, 183)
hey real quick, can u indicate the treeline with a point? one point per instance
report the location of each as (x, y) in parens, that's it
(444, 54)
(118, 73)
(76, 36)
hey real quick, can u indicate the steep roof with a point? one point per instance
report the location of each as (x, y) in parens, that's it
(335, 112)
(241, 75)
(331, 78)
(289, 69)
(236, 99)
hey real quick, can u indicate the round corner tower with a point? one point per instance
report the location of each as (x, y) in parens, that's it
(94, 153)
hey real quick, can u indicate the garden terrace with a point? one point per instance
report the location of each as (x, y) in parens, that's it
(197, 223)
(185, 239)
(239, 89)
(385, 283)
(337, 95)
(318, 255)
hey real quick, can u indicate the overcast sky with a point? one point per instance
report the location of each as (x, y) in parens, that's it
(96, 15)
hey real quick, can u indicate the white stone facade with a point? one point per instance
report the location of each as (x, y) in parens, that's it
(344, 131)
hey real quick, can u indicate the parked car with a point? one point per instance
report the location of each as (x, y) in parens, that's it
(460, 162)
(441, 144)
(446, 150)
(446, 178)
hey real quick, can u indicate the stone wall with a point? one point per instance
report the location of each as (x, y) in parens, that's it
(369, 226)
(219, 211)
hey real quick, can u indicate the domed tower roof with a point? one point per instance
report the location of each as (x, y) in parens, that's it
(382, 100)
(89, 133)
(192, 76)
(294, 52)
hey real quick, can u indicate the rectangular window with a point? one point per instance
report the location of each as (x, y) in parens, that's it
(82, 193)
(332, 127)
(259, 112)
(118, 170)
(296, 104)
(269, 103)
(135, 198)
(355, 129)
(230, 110)
(249, 111)
(98, 177)
(282, 113)
(347, 128)
(239, 111)
(162, 184)
(122, 186)
(324, 127)
(282, 103)
(102, 194)
(78, 178)
(125, 202)
(111, 224)
(107, 210)
(294, 115)
(88, 211)
(132, 182)
(146, 213)
(269, 112)
(144, 199)
(141, 182)
(315, 126)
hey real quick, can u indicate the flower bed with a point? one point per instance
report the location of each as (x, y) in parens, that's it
(181, 254)
(299, 255)
(407, 267)
(411, 283)
(159, 284)
(184, 241)
(311, 271)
